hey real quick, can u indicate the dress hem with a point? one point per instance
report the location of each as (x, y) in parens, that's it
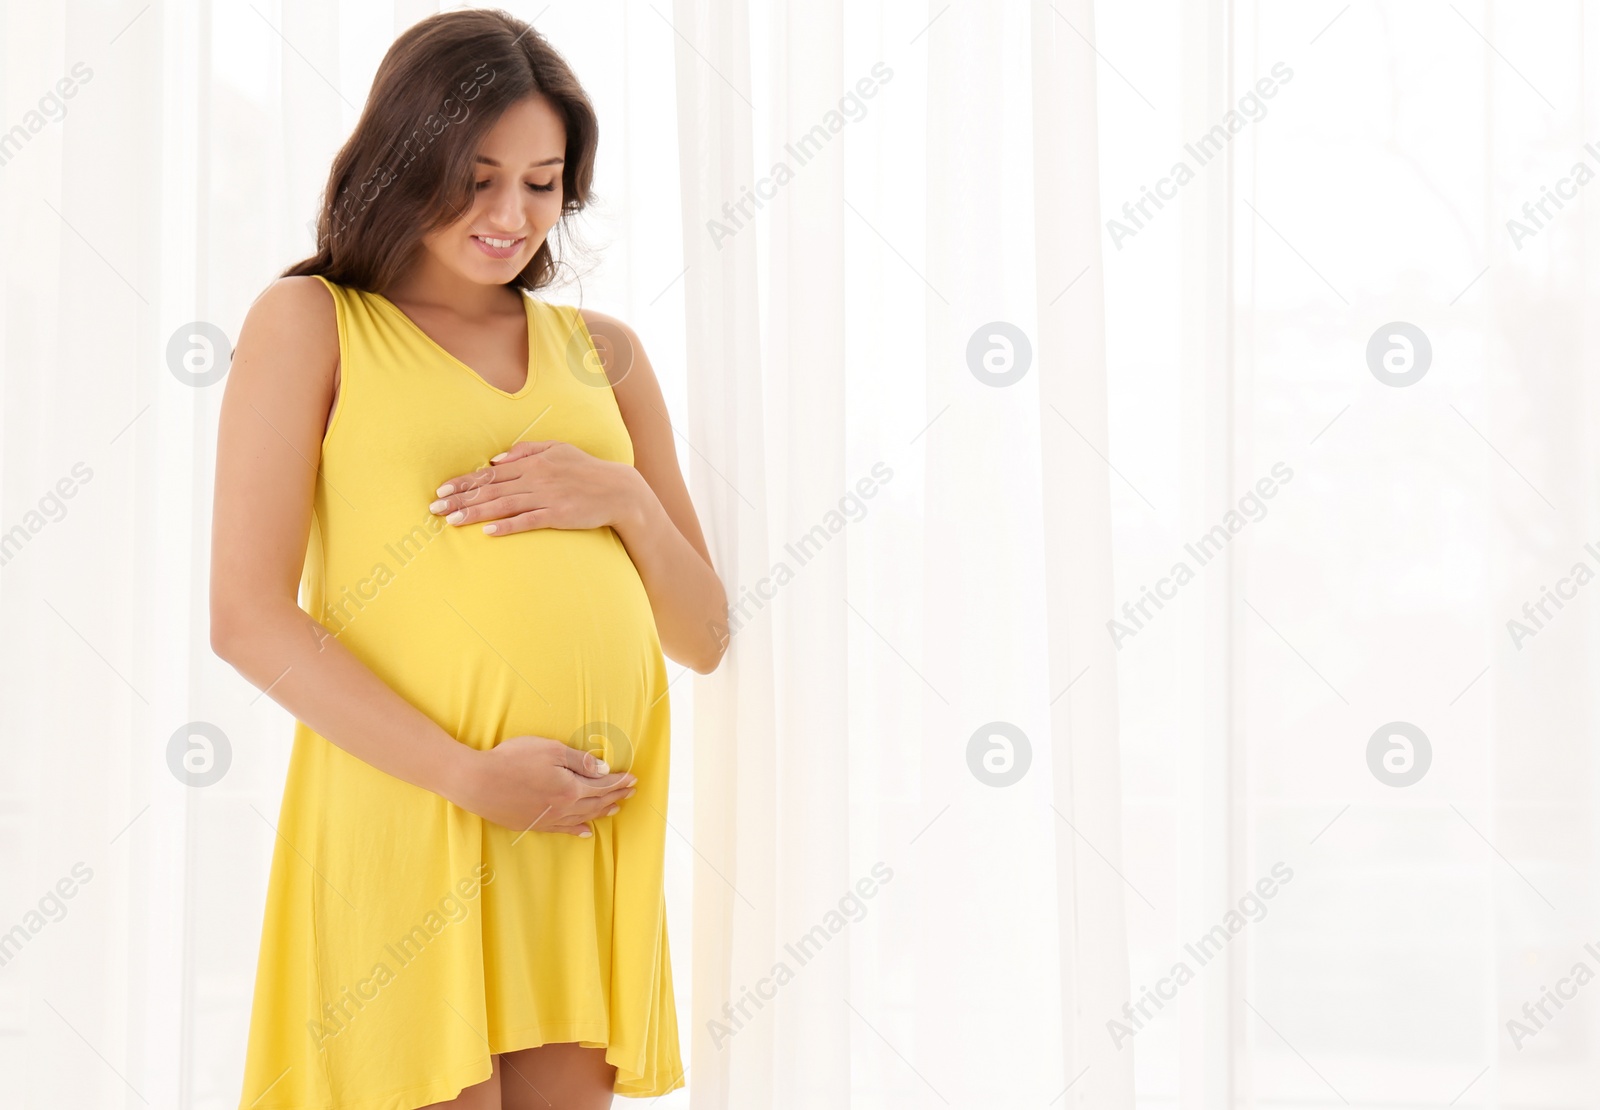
(459, 1079)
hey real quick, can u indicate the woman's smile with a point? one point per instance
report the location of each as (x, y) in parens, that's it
(496, 247)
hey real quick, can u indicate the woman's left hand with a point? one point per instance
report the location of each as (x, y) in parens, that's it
(538, 484)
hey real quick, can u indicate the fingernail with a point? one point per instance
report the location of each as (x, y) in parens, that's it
(604, 770)
(438, 505)
(457, 517)
(445, 490)
(630, 780)
(500, 456)
(630, 793)
(612, 810)
(586, 831)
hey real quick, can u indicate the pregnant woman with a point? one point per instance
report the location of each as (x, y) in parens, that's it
(451, 537)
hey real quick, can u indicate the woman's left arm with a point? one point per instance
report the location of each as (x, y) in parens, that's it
(657, 521)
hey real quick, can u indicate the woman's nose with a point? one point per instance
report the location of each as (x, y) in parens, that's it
(505, 210)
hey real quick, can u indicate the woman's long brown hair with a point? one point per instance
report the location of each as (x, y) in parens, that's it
(408, 168)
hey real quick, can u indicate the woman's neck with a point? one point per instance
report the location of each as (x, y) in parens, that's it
(434, 285)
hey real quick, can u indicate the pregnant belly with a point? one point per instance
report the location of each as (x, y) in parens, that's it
(545, 633)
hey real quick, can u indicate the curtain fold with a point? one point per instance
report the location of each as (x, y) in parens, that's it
(1211, 852)
(1082, 677)
(735, 728)
(805, 361)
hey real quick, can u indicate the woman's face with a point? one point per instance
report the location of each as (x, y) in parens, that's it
(517, 198)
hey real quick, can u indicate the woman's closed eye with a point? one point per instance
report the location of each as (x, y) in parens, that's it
(550, 188)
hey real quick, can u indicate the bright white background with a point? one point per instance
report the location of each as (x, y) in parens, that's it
(1168, 372)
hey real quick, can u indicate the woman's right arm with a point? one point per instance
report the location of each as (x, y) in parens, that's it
(269, 445)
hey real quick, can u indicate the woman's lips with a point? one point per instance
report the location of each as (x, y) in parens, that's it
(488, 247)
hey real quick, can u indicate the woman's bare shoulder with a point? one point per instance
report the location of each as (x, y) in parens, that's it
(293, 326)
(301, 303)
(616, 343)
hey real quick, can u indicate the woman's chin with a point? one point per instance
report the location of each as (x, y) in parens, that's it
(490, 271)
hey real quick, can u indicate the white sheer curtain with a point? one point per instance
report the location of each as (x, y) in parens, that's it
(963, 368)
(901, 701)
(1338, 290)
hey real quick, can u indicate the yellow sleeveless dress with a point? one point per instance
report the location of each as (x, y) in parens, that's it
(404, 938)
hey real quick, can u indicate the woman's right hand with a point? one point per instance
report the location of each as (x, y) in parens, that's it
(535, 782)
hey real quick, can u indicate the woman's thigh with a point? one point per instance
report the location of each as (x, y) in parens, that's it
(479, 1096)
(563, 1076)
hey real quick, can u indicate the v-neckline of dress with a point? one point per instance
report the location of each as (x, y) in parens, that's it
(529, 371)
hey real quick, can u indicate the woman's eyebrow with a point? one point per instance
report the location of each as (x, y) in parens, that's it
(547, 162)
